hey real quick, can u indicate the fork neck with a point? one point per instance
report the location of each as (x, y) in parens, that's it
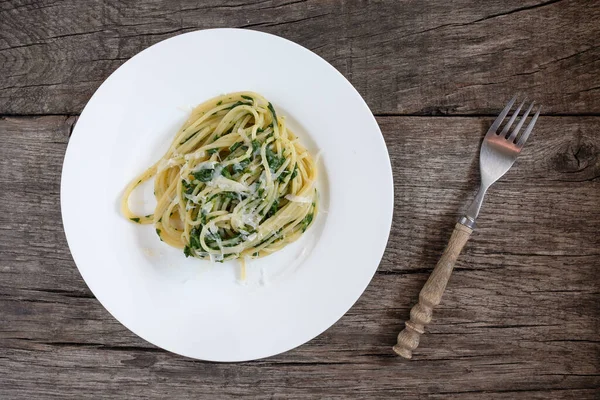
(468, 219)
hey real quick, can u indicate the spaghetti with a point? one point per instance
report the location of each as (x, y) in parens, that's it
(235, 182)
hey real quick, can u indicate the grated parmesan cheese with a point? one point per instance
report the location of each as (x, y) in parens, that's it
(298, 199)
(228, 185)
(204, 165)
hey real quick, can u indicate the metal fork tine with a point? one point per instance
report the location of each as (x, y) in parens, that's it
(514, 133)
(512, 119)
(501, 117)
(529, 128)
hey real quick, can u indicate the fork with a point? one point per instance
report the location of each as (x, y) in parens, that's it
(498, 153)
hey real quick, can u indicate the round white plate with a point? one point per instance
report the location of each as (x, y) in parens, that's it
(189, 306)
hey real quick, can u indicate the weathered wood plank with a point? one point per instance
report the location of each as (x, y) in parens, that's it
(404, 57)
(159, 375)
(519, 320)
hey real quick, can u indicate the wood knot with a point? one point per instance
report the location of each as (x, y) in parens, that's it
(581, 160)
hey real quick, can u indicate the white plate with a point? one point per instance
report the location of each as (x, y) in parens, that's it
(189, 306)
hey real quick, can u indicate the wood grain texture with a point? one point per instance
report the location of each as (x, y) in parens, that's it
(404, 57)
(519, 320)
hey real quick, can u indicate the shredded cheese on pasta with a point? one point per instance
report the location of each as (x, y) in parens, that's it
(235, 182)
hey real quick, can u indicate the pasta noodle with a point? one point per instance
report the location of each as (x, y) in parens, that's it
(235, 182)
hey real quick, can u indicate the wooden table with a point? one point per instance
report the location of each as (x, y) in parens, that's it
(520, 318)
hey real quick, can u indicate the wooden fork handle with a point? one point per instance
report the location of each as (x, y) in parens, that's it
(431, 294)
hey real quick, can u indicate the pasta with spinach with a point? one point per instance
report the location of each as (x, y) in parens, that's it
(235, 182)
